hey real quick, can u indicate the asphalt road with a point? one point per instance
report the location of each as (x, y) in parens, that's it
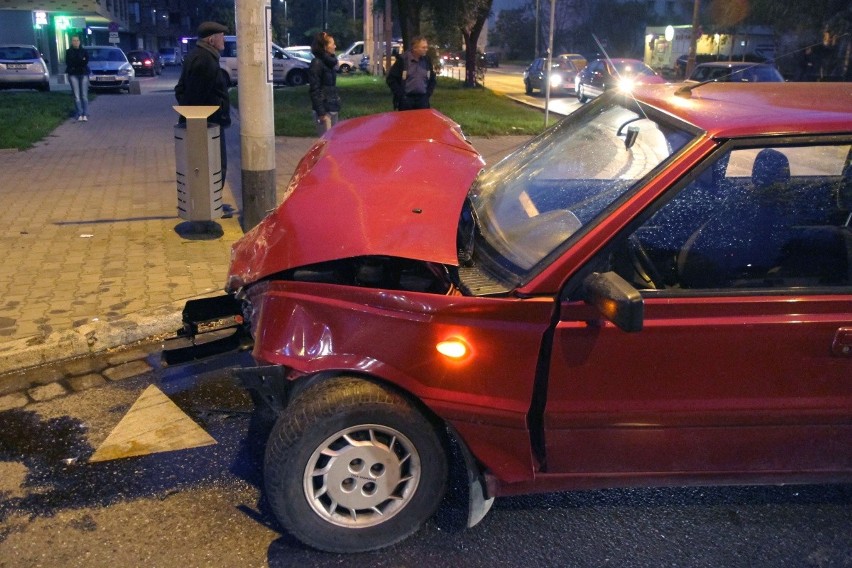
(202, 506)
(508, 80)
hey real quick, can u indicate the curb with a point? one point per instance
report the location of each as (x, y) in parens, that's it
(58, 379)
(93, 337)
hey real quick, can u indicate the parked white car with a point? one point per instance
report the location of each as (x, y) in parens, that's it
(286, 68)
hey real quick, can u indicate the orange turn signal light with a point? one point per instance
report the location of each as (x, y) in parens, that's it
(453, 348)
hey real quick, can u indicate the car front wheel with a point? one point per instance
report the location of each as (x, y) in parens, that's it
(528, 88)
(581, 94)
(351, 466)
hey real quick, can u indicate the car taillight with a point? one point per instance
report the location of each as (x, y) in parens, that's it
(148, 62)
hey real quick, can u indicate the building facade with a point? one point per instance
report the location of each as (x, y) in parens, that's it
(128, 24)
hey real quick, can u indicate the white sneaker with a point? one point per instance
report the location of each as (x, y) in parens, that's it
(85, 119)
(80, 119)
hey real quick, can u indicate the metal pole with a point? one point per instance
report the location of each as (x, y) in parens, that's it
(693, 42)
(549, 63)
(257, 130)
(537, 27)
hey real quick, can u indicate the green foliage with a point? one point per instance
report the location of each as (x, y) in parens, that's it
(480, 112)
(28, 117)
(515, 29)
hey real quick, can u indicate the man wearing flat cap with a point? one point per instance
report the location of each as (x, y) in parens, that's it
(203, 83)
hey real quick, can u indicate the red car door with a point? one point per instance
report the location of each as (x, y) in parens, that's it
(743, 369)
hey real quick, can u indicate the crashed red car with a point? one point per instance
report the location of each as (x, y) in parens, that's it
(655, 291)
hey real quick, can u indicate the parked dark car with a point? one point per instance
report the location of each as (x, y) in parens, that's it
(656, 291)
(563, 72)
(601, 75)
(492, 59)
(736, 72)
(680, 63)
(144, 62)
(109, 69)
(23, 67)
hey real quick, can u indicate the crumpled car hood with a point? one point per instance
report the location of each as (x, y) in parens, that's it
(390, 184)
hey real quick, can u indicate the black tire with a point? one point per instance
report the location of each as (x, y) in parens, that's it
(297, 78)
(398, 467)
(581, 94)
(528, 88)
(345, 68)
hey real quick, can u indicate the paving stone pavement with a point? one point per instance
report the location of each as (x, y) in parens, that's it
(96, 257)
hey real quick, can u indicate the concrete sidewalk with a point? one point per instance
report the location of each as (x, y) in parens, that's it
(95, 254)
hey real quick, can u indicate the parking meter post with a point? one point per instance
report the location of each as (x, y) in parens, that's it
(198, 165)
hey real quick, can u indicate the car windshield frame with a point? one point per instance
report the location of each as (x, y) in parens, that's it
(531, 206)
(108, 54)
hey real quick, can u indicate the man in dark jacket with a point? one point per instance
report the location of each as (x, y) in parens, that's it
(412, 78)
(203, 83)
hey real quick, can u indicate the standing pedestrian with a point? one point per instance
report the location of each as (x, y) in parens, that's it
(412, 77)
(77, 69)
(322, 76)
(203, 83)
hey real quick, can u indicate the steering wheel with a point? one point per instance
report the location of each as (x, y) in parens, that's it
(644, 266)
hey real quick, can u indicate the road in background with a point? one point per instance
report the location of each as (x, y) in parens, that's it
(508, 80)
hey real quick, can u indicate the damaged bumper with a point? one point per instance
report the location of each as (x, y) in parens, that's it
(211, 326)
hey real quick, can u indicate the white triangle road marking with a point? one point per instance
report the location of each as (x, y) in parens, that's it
(153, 424)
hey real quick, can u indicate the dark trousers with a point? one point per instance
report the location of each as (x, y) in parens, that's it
(413, 102)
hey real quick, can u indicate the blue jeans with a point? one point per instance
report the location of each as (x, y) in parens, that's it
(80, 88)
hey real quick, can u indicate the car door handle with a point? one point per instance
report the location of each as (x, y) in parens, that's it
(842, 344)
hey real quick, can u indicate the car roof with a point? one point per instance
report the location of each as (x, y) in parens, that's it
(735, 110)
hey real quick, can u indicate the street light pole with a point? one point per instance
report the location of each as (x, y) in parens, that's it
(693, 42)
(549, 63)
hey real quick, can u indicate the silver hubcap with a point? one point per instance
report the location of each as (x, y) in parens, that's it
(362, 476)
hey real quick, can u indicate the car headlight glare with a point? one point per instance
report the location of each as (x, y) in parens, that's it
(626, 85)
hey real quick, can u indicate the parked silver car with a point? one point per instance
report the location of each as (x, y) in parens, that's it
(22, 67)
(109, 68)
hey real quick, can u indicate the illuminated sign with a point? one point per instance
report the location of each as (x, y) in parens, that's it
(39, 19)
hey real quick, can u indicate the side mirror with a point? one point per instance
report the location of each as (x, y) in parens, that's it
(616, 299)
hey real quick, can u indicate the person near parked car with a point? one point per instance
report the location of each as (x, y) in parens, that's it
(77, 69)
(203, 83)
(322, 78)
(412, 77)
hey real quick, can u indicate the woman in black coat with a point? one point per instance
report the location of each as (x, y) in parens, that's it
(322, 76)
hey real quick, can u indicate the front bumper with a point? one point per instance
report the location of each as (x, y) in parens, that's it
(211, 326)
(106, 81)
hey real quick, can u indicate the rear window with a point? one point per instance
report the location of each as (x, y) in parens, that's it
(18, 53)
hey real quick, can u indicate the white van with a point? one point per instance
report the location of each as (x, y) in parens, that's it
(286, 69)
(353, 58)
(348, 60)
